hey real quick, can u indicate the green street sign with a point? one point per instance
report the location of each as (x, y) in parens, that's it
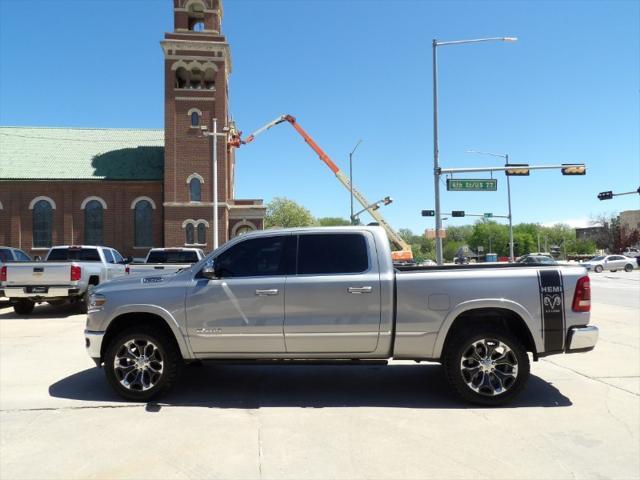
(488, 215)
(472, 185)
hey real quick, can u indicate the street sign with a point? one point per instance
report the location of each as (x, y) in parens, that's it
(488, 215)
(480, 249)
(472, 185)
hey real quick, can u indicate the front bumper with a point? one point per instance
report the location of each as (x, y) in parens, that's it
(582, 339)
(93, 342)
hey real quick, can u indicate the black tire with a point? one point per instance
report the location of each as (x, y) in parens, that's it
(459, 347)
(23, 307)
(628, 267)
(171, 362)
(614, 271)
(82, 302)
(597, 269)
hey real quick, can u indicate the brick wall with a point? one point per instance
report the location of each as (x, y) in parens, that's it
(16, 219)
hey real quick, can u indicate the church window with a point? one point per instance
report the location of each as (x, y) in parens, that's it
(195, 119)
(143, 223)
(93, 223)
(189, 234)
(42, 224)
(195, 190)
(196, 17)
(202, 234)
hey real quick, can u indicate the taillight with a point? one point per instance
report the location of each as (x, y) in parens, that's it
(126, 269)
(582, 296)
(76, 273)
(3, 274)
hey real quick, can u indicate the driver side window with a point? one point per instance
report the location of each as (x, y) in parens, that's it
(256, 257)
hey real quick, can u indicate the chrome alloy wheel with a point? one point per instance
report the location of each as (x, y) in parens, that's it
(138, 365)
(489, 367)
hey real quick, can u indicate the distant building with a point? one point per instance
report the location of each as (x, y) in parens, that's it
(597, 234)
(133, 189)
(630, 220)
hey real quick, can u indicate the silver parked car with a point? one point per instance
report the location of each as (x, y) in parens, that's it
(609, 262)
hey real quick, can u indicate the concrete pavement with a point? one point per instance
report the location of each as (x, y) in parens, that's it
(579, 416)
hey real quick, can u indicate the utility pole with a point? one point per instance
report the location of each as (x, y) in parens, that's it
(351, 217)
(215, 134)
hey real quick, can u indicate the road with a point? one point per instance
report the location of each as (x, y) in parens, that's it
(579, 416)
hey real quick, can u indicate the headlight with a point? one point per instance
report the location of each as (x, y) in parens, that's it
(96, 301)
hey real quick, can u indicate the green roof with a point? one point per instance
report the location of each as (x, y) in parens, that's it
(43, 153)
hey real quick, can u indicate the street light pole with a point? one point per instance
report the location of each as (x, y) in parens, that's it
(351, 179)
(511, 257)
(436, 161)
(506, 158)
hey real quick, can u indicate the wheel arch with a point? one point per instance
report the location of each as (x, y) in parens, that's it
(154, 319)
(502, 313)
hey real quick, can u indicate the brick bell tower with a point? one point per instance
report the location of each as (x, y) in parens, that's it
(197, 67)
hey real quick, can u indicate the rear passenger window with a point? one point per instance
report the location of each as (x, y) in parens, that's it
(108, 256)
(332, 253)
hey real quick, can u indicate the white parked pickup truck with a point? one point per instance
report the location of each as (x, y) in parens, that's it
(166, 260)
(66, 275)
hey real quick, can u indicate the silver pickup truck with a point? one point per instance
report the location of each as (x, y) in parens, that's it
(333, 293)
(66, 275)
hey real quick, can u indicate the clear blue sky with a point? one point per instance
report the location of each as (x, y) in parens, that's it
(568, 91)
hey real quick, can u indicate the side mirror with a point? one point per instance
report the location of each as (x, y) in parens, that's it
(209, 270)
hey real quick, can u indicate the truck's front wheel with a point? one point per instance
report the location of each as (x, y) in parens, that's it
(23, 307)
(141, 363)
(486, 366)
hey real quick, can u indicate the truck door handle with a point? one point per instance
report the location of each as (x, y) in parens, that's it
(359, 290)
(264, 293)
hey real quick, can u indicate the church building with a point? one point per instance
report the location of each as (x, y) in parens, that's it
(133, 189)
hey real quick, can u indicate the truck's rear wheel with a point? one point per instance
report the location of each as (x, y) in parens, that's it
(23, 307)
(486, 366)
(141, 363)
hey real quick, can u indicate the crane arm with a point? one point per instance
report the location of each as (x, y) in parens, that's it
(395, 239)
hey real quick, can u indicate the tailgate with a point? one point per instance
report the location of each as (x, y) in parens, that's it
(38, 273)
(146, 268)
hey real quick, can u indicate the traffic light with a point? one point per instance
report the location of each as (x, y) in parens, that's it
(574, 169)
(428, 213)
(605, 195)
(457, 213)
(517, 169)
(387, 200)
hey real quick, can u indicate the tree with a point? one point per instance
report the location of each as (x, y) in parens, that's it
(284, 213)
(333, 221)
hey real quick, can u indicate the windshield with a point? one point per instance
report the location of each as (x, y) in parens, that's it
(596, 259)
(168, 256)
(63, 254)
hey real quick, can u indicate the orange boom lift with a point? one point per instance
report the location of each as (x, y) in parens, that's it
(401, 250)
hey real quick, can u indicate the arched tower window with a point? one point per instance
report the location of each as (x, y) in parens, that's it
(42, 224)
(196, 17)
(143, 224)
(93, 223)
(189, 234)
(195, 119)
(202, 234)
(195, 190)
